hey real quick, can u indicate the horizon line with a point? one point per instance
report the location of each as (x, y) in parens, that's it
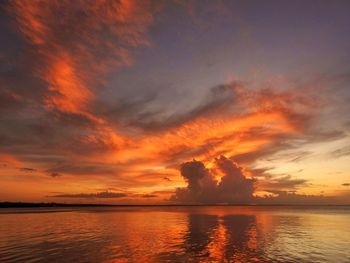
(6, 204)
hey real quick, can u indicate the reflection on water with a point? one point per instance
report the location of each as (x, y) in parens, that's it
(176, 234)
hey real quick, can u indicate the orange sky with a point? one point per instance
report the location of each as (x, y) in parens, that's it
(96, 106)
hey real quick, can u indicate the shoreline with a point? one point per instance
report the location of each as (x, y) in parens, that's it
(58, 205)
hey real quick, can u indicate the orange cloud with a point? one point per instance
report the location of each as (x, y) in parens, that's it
(226, 132)
(69, 93)
(73, 59)
(9, 159)
(77, 44)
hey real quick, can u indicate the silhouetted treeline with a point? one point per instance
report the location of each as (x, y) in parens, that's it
(24, 204)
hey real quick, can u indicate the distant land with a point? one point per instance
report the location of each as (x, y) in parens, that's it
(53, 204)
(26, 204)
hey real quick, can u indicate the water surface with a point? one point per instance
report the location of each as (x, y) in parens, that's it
(175, 234)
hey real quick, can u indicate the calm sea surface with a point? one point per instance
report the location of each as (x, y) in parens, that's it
(176, 234)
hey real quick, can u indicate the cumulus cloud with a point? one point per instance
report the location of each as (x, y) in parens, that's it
(233, 187)
(198, 178)
(55, 114)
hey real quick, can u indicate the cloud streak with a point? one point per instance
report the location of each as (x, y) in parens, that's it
(86, 99)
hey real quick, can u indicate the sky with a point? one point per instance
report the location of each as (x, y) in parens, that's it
(161, 102)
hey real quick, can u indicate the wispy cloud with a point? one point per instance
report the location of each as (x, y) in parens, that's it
(344, 151)
(69, 108)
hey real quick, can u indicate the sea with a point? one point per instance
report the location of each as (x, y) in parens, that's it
(176, 234)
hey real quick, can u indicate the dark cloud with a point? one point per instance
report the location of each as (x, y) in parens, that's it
(201, 187)
(149, 196)
(43, 58)
(324, 136)
(344, 151)
(260, 172)
(299, 156)
(8, 100)
(55, 174)
(82, 168)
(27, 169)
(52, 112)
(234, 187)
(292, 198)
(196, 176)
(249, 157)
(346, 184)
(61, 134)
(281, 142)
(283, 183)
(105, 194)
(234, 98)
(219, 98)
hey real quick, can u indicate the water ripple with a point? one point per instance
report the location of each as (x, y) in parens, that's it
(199, 234)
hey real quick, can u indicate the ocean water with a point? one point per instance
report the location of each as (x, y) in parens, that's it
(176, 234)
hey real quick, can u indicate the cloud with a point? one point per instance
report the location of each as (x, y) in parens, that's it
(55, 174)
(9, 159)
(9, 100)
(233, 187)
(292, 198)
(230, 114)
(344, 151)
(72, 55)
(287, 142)
(149, 196)
(219, 98)
(235, 99)
(105, 194)
(201, 187)
(231, 120)
(56, 113)
(66, 105)
(27, 169)
(65, 61)
(82, 169)
(346, 184)
(282, 183)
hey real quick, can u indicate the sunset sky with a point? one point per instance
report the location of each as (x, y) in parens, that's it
(157, 102)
